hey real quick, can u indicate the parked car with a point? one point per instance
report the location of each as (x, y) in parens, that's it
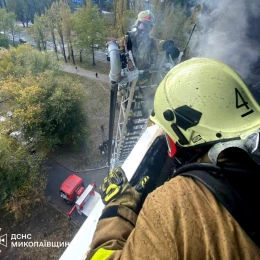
(22, 41)
(95, 46)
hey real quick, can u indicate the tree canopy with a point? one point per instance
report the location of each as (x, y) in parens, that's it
(8, 23)
(89, 27)
(26, 9)
(4, 41)
(47, 110)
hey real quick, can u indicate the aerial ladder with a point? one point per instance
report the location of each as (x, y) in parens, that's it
(135, 106)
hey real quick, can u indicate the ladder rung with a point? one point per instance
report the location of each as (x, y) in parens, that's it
(129, 142)
(140, 123)
(125, 151)
(125, 154)
(131, 138)
(134, 132)
(137, 117)
(129, 148)
(132, 135)
(139, 99)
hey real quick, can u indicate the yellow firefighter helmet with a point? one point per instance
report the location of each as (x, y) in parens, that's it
(203, 101)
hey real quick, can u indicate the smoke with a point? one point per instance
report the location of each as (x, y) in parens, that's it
(228, 30)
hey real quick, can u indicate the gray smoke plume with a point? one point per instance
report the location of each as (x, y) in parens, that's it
(229, 30)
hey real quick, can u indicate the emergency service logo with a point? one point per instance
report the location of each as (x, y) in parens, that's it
(26, 240)
(3, 240)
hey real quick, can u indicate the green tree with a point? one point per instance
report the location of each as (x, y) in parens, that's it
(10, 24)
(89, 26)
(170, 19)
(174, 22)
(21, 180)
(39, 31)
(3, 20)
(28, 59)
(56, 11)
(4, 41)
(51, 26)
(47, 106)
(67, 30)
(18, 7)
(124, 17)
(30, 9)
(23, 59)
(121, 20)
(26, 9)
(3, 3)
(6, 64)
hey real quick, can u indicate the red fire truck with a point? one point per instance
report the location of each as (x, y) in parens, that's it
(72, 190)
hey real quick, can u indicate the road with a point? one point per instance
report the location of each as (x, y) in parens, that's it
(100, 55)
(57, 173)
(85, 73)
(22, 34)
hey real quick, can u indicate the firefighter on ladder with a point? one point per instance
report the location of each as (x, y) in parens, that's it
(209, 209)
(141, 48)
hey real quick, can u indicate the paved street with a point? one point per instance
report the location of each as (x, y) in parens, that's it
(57, 174)
(24, 35)
(100, 55)
(85, 73)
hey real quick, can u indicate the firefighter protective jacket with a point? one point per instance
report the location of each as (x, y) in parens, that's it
(144, 49)
(179, 220)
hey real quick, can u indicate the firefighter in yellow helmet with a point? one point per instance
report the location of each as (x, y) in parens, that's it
(142, 46)
(209, 209)
(141, 51)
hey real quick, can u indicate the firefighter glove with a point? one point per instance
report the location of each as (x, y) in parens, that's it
(170, 49)
(118, 190)
(112, 185)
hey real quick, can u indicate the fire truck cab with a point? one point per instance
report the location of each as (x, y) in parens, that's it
(73, 191)
(72, 188)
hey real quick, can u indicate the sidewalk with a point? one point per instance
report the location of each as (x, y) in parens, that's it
(85, 73)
